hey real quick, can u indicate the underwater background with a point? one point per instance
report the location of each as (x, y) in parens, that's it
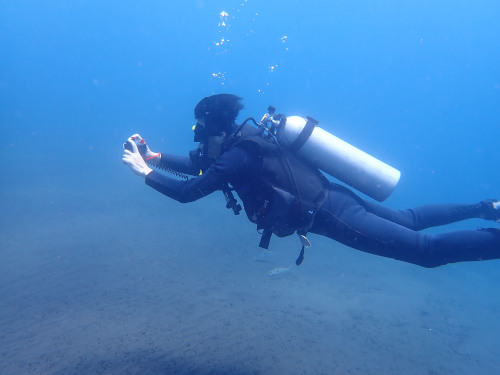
(99, 274)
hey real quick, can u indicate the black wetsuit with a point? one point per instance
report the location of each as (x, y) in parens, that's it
(348, 219)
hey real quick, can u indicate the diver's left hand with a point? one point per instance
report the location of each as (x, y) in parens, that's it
(135, 161)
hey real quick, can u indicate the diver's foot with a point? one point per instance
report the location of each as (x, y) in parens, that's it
(490, 209)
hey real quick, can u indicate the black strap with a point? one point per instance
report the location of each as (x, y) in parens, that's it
(304, 134)
(265, 239)
(300, 259)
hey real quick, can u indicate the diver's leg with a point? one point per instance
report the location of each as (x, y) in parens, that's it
(435, 215)
(344, 219)
(428, 216)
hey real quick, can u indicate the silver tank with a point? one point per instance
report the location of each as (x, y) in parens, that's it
(341, 160)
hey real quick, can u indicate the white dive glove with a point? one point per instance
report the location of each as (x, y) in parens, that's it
(133, 158)
(149, 156)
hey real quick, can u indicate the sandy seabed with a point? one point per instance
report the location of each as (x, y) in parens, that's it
(96, 284)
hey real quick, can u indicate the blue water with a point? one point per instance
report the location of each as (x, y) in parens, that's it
(100, 274)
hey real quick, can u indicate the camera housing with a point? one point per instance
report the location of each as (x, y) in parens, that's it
(140, 143)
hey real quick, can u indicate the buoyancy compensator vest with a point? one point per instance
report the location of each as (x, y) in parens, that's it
(284, 193)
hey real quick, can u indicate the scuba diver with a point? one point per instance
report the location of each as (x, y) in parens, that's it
(284, 193)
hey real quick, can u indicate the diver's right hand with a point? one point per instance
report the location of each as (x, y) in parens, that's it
(149, 156)
(134, 160)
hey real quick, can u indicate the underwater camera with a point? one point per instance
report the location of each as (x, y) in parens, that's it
(141, 145)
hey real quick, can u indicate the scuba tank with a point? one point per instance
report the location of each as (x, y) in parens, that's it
(331, 154)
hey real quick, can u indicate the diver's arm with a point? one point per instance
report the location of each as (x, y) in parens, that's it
(183, 191)
(231, 163)
(182, 164)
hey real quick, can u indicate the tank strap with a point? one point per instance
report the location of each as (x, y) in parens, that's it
(304, 134)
